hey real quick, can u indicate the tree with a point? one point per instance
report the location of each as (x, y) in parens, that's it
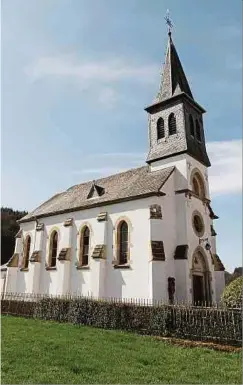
(232, 294)
(230, 277)
(10, 228)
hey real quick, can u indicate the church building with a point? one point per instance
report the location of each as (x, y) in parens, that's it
(145, 233)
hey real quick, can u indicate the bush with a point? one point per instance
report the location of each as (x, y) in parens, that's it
(232, 294)
(223, 325)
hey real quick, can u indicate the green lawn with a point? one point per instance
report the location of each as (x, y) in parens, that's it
(41, 352)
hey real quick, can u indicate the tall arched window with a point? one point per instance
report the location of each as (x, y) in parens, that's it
(198, 131)
(53, 249)
(160, 129)
(198, 185)
(84, 246)
(27, 252)
(123, 243)
(191, 123)
(172, 124)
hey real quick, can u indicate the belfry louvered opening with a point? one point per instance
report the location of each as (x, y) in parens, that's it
(198, 131)
(160, 128)
(172, 124)
(191, 124)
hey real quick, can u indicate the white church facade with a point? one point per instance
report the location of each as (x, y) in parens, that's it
(145, 233)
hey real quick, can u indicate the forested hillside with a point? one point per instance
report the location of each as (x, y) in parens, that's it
(9, 227)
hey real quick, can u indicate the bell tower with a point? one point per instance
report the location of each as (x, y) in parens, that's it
(175, 118)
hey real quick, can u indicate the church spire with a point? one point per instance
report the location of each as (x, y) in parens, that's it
(173, 79)
(175, 118)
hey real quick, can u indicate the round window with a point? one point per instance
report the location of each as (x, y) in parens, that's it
(198, 224)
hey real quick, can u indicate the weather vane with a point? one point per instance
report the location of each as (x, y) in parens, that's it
(168, 21)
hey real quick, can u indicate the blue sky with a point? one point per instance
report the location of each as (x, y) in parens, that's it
(76, 76)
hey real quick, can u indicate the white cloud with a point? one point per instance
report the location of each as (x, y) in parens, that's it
(225, 175)
(90, 71)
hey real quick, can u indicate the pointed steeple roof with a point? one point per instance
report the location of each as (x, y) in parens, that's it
(173, 79)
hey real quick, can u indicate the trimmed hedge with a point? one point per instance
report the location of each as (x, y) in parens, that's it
(232, 294)
(194, 323)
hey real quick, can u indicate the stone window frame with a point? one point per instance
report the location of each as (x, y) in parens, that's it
(197, 176)
(81, 245)
(196, 213)
(49, 265)
(116, 261)
(26, 253)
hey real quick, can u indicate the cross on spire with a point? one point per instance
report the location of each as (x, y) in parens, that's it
(168, 21)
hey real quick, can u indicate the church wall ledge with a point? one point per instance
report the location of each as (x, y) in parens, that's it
(50, 268)
(122, 267)
(83, 267)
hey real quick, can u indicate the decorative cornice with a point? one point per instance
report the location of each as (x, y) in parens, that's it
(213, 232)
(190, 193)
(99, 252)
(36, 256)
(102, 217)
(218, 265)
(40, 227)
(179, 97)
(68, 222)
(211, 212)
(64, 254)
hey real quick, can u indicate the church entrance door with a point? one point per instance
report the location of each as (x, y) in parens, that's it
(198, 295)
(200, 279)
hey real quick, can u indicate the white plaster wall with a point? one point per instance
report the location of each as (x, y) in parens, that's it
(127, 283)
(219, 284)
(3, 280)
(184, 164)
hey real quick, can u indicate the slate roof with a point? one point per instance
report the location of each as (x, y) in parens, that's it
(173, 80)
(132, 184)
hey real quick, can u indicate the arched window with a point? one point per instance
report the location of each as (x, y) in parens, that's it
(123, 243)
(84, 246)
(198, 185)
(53, 249)
(198, 131)
(191, 123)
(160, 129)
(172, 124)
(26, 252)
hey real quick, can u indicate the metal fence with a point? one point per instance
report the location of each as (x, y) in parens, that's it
(12, 296)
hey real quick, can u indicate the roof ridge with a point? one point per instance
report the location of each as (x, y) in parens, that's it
(105, 177)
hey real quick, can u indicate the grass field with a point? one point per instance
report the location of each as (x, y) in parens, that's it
(41, 352)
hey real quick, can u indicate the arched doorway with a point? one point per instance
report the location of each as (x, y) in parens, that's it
(201, 292)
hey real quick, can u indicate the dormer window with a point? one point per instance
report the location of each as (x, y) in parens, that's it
(160, 128)
(191, 124)
(95, 191)
(198, 131)
(172, 124)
